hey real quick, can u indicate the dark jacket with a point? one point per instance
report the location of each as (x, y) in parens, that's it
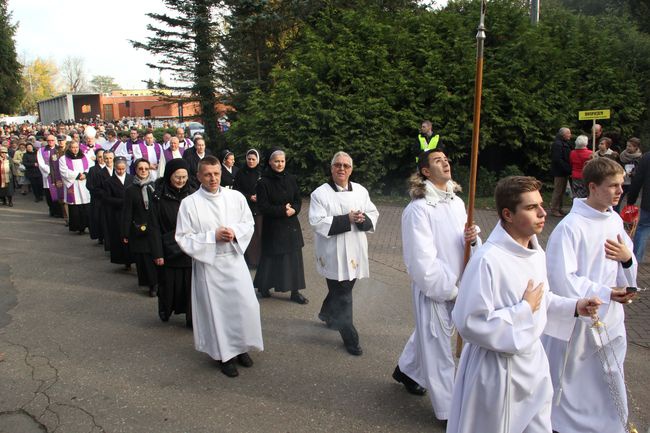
(167, 200)
(112, 204)
(30, 161)
(228, 179)
(193, 160)
(246, 183)
(560, 164)
(281, 234)
(641, 184)
(135, 217)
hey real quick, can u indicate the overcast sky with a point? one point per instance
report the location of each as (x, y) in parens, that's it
(97, 31)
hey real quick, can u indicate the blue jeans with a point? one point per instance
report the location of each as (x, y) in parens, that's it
(641, 235)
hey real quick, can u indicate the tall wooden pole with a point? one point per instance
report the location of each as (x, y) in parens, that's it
(478, 90)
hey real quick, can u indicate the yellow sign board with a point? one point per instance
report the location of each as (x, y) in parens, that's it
(593, 114)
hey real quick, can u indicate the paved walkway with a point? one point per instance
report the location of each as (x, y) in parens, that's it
(82, 349)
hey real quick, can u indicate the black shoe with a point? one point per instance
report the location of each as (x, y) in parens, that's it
(265, 293)
(351, 340)
(153, 291)
(411, 386)
(188, 322)
(298, 298)
(100, 242)
(245, 360)
(163, 316)
(229, 368)
(354, 349)
(127, 267)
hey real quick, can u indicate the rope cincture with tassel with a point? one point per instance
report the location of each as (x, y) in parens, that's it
(601, 329)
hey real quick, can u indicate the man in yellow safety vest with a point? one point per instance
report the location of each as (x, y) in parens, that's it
(426, 139)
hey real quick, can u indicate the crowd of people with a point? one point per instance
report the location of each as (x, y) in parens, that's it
(195, 226)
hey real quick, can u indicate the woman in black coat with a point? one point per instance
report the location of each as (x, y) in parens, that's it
(32, 173)
(94, 185)
(246, 183)
(228, 169)
(278, 200)
(113, 201)
(138, 226)
(174, 266)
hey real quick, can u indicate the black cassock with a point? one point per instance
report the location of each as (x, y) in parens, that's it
(113, 201)
(94, 185)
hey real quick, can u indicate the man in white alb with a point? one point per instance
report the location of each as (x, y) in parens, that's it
(214, 227)
(503, 383)
(433, 242)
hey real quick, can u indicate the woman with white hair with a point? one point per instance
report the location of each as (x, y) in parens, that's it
(578, 158)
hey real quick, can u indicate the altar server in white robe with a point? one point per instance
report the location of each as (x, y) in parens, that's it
(214, 227)
(433, 242)
(74, 167)
(149, 150)
(590, 254)
(341, 214)
(503, 306)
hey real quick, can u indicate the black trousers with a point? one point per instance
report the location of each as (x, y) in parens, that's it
(55, 207)
(37, 187)
(337, 307)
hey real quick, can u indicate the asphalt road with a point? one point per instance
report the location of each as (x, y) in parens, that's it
(84, 351)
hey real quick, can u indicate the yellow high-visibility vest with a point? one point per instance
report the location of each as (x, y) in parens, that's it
(424, 146)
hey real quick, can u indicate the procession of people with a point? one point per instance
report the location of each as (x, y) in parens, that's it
(196, 227)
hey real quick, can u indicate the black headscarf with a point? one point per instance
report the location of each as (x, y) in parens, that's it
(166, 189)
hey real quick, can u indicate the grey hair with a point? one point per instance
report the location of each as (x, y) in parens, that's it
(563, 130)
(581, 141)
(341, 153)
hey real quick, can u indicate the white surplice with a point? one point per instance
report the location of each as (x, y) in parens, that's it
(343, 256)
(225, 310)
(578, 268)
(503, 382)
(433, 245)
(80, 194)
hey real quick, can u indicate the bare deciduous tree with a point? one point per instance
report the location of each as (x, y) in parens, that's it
(73, 74)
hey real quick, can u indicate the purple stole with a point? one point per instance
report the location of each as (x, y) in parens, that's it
(70, 165)
(129, 150)
(168, 153)
(187, 143)
(144, 151)
(56, 193)
(46, 153)
(116, 145)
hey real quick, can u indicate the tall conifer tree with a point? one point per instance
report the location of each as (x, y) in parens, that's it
(186, 44)
(11, 90)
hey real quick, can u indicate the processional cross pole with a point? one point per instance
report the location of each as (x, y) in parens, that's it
(478, 90)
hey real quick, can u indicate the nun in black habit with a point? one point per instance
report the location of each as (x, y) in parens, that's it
(278, 200)
(246, 182)
(174, 266)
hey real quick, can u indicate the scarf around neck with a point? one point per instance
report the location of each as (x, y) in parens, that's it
(144, 184)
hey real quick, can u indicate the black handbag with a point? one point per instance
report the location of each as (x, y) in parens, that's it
(141, 230)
